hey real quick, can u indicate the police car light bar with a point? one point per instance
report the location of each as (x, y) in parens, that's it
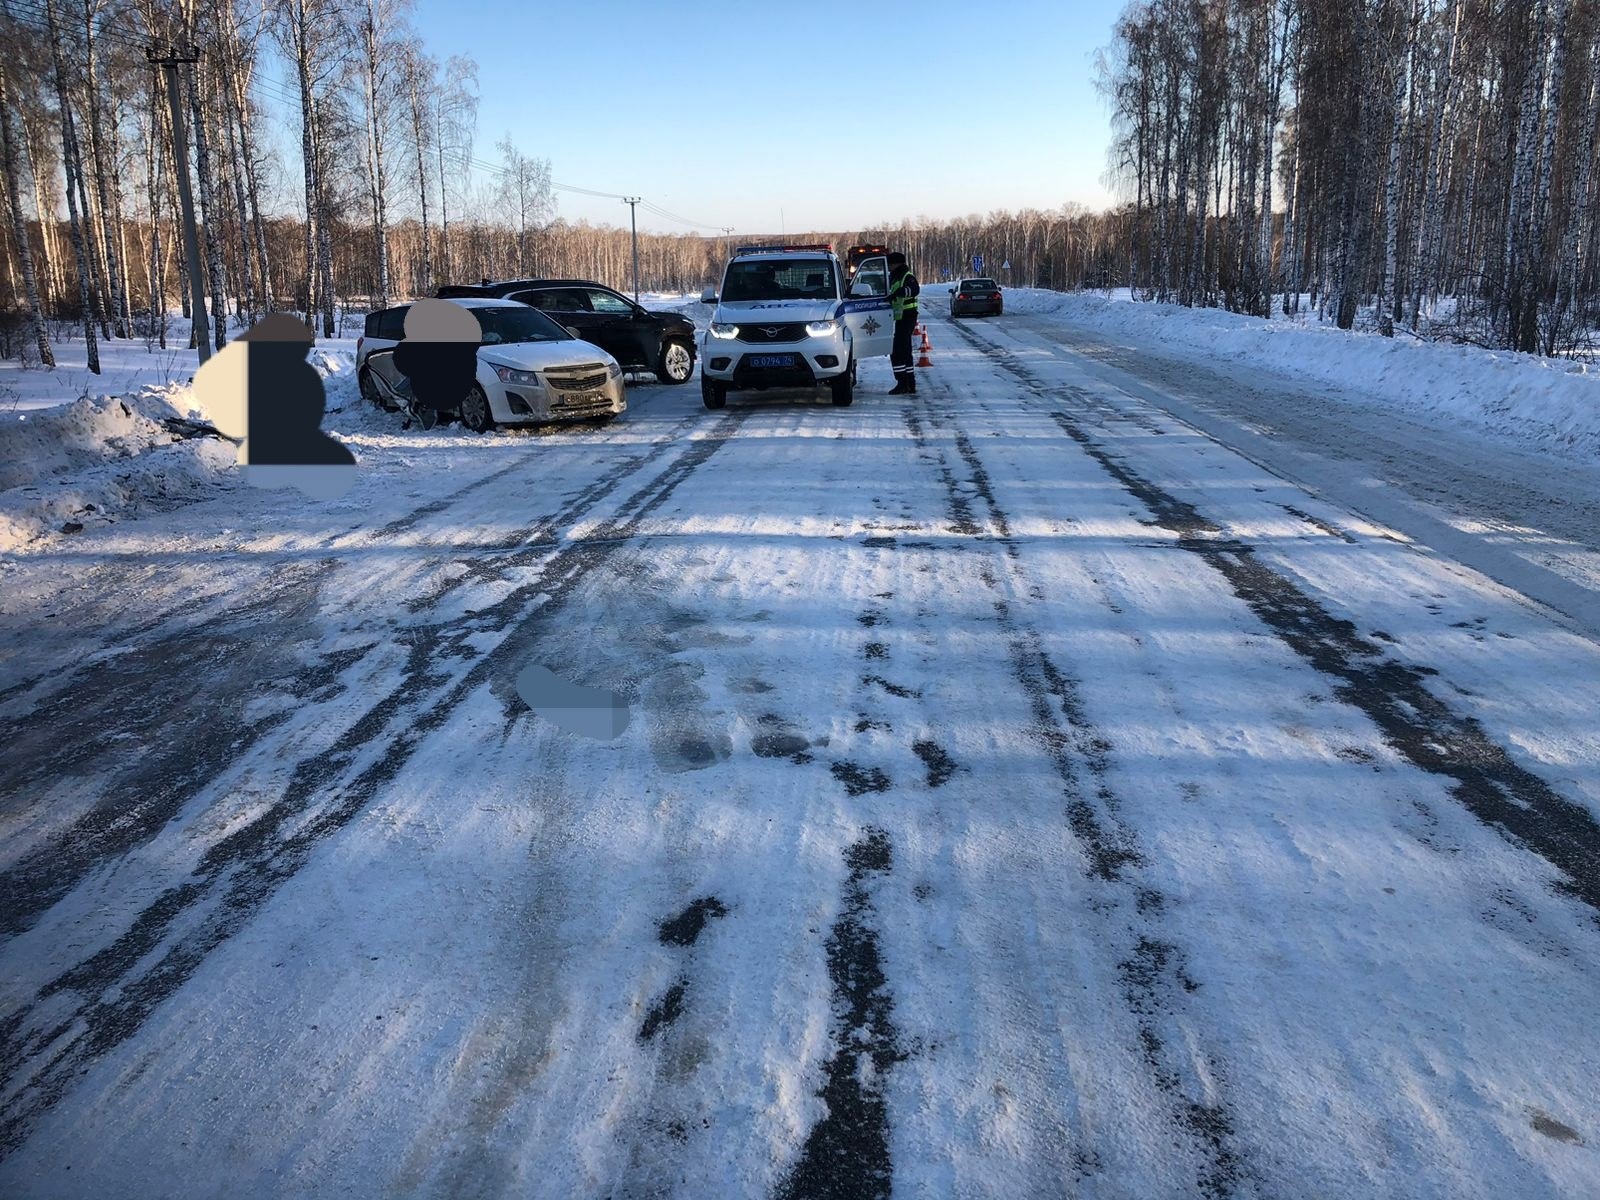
(783, 249)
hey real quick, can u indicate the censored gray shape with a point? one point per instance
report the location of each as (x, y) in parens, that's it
(592, 712)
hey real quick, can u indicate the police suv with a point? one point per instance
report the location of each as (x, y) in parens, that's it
(786, 318)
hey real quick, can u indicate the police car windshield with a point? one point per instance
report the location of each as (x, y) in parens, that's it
(505, 325)
(780, 279)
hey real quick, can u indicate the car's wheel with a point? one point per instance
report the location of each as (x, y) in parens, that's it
(677, 362)
(475, 414)
(370, 392)
(843, 388)
(714, 394)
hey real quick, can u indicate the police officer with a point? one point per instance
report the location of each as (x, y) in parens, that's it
(903, 290)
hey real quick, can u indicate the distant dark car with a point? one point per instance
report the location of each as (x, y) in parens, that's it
(637, 338)
(975, 298)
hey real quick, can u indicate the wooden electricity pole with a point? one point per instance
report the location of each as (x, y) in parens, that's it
(169, 58)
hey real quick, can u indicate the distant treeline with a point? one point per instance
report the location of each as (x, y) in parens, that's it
(1374, 154)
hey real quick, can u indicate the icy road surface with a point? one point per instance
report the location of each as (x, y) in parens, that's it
(1029, 792)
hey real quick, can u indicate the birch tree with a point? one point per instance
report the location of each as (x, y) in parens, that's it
(73, 162)
(19, 223)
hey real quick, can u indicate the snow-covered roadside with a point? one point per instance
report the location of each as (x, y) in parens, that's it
(1549, 404)
(96, 460)
(79, 450)
(101, 458)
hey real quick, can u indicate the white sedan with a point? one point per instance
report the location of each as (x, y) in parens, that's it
(530, 370)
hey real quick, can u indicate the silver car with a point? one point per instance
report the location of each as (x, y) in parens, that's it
(530, 370)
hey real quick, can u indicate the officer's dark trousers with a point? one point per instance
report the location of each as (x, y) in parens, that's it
(900, 356)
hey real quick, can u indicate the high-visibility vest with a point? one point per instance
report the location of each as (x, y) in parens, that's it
(902, 299)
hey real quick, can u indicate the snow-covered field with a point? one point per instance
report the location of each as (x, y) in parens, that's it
(1116, 771)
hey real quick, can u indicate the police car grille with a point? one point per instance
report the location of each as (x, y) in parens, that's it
(767, 335)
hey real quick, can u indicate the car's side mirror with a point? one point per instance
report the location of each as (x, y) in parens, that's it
(573, 332)
(952, 291)
(860, 289)
(708, 296)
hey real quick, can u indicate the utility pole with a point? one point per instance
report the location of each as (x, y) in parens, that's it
(633, 219)
(169, 62)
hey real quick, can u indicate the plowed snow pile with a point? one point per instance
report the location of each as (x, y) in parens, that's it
(98, 459)
(1548, 403)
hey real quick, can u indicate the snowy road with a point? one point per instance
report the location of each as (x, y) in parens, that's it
(1027, 793)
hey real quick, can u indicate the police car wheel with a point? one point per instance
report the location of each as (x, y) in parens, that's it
(843, 388)
(714, 395)
(677, 362)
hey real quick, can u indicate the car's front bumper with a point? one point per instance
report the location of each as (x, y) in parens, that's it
(805, 364)
(539, 404)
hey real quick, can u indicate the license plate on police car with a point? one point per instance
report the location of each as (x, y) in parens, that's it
(771, 360)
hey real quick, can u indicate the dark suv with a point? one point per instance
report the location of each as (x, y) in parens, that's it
(637, 338)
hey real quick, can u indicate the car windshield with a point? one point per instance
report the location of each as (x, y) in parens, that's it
(979, 285)
(780, 279)
(505, 325)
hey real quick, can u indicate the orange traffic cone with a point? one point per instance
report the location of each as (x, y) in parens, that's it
(922, 359)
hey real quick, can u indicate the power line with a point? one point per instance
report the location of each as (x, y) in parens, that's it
(671, 216)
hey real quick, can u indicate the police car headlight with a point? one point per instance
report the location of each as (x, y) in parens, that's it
(822, 328)
(720, 329)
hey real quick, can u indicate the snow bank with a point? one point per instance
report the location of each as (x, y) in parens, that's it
(1542, 402)
(95, 460)
(99, 459)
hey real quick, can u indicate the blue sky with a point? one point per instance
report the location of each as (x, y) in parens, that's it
(772, 114)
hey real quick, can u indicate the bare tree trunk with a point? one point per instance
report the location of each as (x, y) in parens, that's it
(74, 168)
(373, 67)
(237, 111)
(117, 302)
(324, 265)
(35, 147)
(444, 197)
(1444, 140)
(1391, 188)
(415, 65)
(298, 37)
(155, 189)
(1542, 270)
(252, 306)
(1582, 210)
(1516, 286)
(19, 224)
(210, 211)
(118, 221)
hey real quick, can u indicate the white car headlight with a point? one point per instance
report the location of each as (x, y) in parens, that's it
(720, 329)
(613, 370)
(822, 328)
(512, 375)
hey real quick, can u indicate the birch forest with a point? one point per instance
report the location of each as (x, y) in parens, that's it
(1419, 167)
(1425, 166)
